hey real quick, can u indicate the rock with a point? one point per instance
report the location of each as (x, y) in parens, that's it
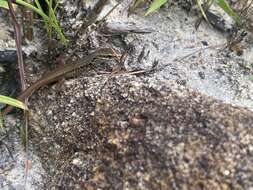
(157, 130)
(144, 137)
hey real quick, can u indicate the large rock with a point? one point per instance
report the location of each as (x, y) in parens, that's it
(147, 131)
(124, 133)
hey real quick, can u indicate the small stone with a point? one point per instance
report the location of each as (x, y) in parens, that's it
(226, 172)
(76, 161)
(205, 43)
(50, 112)
(202, 75)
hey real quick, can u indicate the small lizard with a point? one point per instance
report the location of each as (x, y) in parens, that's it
(55, 75)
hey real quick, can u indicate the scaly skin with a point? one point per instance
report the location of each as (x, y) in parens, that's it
(55, 75)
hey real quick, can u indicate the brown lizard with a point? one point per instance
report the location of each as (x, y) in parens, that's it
(55, 75)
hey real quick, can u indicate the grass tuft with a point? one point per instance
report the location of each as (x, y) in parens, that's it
(202, 5)
(50, 20)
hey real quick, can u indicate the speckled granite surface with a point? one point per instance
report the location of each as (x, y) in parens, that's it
(130, 135)
(157, 130)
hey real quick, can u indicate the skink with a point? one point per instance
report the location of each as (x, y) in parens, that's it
(54, 76)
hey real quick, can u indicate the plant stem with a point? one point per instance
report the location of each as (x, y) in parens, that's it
(31, 7)
(18, 44)
(50, 21)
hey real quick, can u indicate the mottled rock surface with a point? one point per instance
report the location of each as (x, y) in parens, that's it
(128, 134)
(157, 130)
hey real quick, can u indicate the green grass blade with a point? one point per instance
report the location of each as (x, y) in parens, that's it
(4, 4)
(38, 5)
(33, 8)
(156, 4)
(49, 20)
(202, 10)
(12, 102)
(226, 8)
(54, 23)
(56, 5)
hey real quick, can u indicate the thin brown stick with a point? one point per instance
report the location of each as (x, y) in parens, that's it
(18, 39)
(17, 32)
